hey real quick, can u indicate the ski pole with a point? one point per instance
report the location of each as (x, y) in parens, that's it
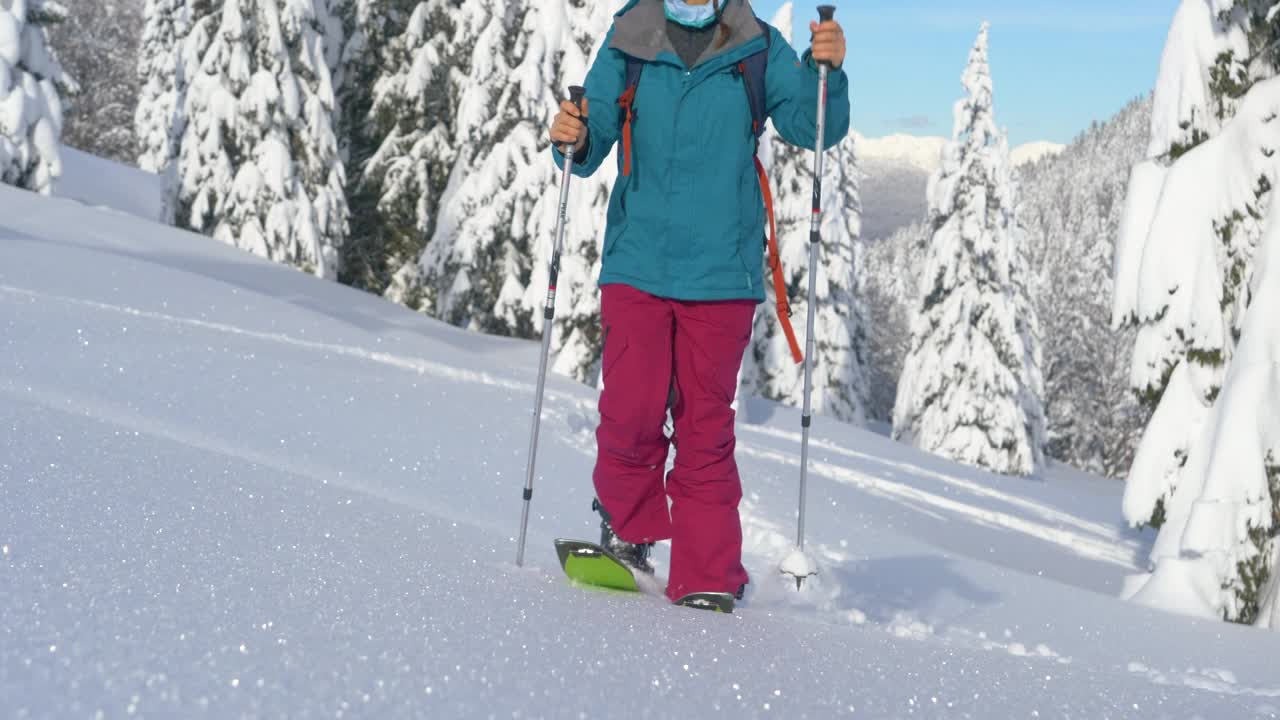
(576, 94)
(825, 14)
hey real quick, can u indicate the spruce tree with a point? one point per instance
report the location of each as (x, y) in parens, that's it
(892, 269)
(481, 256)
(98, 46)
(1021, 276)
(259, 165)
(1071, 208)
(487, 258)
(840, 381)
(157, 122)
(578, 342)
(967, 391)
(411, 125)
(1196, 97)
(158, 119)
(32, 83)
(1193, 269)
(361, 32)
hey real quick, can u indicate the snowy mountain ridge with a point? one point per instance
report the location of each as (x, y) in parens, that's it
(896, 170)
(924, 152)
(227, 487)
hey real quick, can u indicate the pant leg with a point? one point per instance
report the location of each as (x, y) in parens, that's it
(705, 489)
(631, 445)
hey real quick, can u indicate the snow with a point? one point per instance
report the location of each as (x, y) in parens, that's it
(230, 489)
(798, 565)
(105, 184)
(1199, 237)
(1222, 484)
(1034, 152)
(1182, 94)
(925, 152)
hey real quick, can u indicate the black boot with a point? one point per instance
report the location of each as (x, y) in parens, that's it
(632, 555)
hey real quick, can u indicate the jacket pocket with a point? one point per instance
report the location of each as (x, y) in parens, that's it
(752, 242)
(618, 216)
(614, 348)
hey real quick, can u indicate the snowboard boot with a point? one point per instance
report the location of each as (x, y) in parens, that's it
(633, 556)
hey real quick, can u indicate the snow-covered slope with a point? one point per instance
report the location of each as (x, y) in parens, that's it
(897, 169)
(102, 183)
(230, 489)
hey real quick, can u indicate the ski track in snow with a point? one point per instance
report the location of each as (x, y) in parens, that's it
(1093, 548)
(1048, 513)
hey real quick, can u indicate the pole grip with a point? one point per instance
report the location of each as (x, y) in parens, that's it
(576, 95)
(826, 13)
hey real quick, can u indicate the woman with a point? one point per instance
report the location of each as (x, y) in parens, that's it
(683, 266)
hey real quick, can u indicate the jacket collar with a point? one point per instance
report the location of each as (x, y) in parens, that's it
(641, 31)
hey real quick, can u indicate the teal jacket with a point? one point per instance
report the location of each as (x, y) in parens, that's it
(689, 221)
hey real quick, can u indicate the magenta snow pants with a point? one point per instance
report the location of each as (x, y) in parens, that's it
(653, 346)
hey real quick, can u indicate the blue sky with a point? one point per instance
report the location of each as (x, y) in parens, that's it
(1057, 65)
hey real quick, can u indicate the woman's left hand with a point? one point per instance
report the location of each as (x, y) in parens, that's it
(828, 42)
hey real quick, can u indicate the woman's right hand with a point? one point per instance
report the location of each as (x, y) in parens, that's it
(570, 126)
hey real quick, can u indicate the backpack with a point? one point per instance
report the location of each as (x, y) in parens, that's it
(752, 71)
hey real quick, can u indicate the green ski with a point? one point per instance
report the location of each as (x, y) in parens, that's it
(590, 564)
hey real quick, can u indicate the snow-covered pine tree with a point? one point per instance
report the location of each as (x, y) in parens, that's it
(354, 57)
(98, 46)
(481, 258)
(464, 209)
(1194, 256)
(578, 342)
(1070, 206)
(259, 165)
(967, 391)
(484, 267)
(158, 119)
(1205, 70)
(32, 83)
(158, 123)
(419, 75)
(892, 270)
(360, 32)
(840, 382)
(1025, 292)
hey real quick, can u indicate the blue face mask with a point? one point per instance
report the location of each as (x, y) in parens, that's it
(694, 16)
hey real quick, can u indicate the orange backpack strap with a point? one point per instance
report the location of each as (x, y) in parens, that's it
(627, 102)
(775, 265)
